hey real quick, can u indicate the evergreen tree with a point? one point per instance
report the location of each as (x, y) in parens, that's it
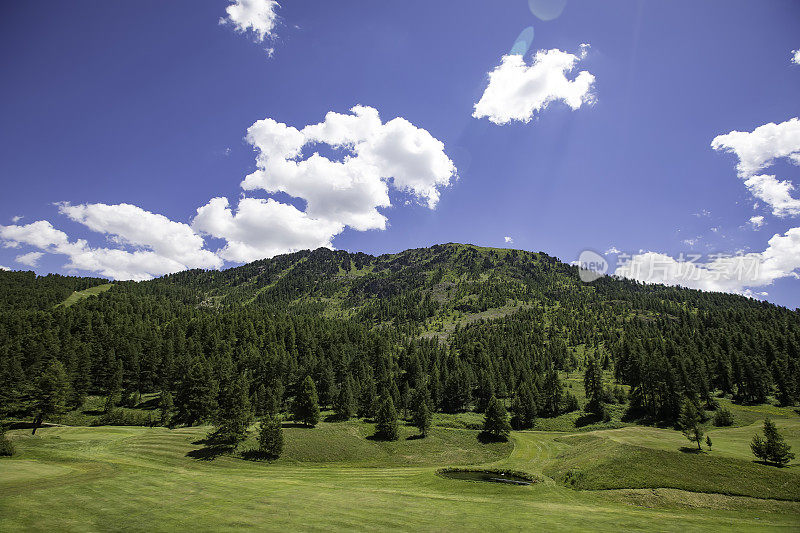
(305, 407)
(197, 394)
(345, 404)
(772, 447)
(421, 417)
(593, 385)
(523, 408)
(51, 393)
(166, 406)
(368, 399)
(235, 414)
(690, 423)
(405, 399)
(113, 386)
(708, 441)
(495, 423)
(270, 436)
(386, 426)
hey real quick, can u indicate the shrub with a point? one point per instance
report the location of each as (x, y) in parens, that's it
(723, 417)
(121, 417)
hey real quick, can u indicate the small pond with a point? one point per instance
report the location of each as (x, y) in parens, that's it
(487, 476)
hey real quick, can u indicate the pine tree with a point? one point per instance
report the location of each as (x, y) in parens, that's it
(495, 424)
(345, 404)
(367, 399)
(523, 408)
(51, 394)
(421, 417)
(305, 407)
(113, 386)
(772, 447)
(689, 423)
(197, 394)
(270, 437)
(235, 414)
(593, 385)
(386, 426)
(166, 406)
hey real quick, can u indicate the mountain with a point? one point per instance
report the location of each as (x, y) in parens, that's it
(465, 322)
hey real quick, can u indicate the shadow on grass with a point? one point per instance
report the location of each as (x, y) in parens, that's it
(209, 453)
(689, 449)
(587, 419)
(256, 455)
(415, 437)
(488, 438)
(296, 425)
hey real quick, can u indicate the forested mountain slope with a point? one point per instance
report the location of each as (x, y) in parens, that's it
(459, 322)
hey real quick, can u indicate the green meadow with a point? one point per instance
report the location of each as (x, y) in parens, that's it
(334, 477)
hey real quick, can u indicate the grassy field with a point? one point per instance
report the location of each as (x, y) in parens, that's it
(77, 296)
(333, 478)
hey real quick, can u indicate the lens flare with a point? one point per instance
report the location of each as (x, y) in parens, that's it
(523, 42)
(547, 9)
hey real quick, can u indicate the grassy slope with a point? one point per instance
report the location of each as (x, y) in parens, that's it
(77, 296)
(142, 479)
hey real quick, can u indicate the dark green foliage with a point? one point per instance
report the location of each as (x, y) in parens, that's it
(6, 446)
(771, 448)
(495, 424)
(593, 386)
(305, 408)
(197, 394)
(422, 418)
(235, 414)
(723, 417)
(345, 405)
(166, 406)
(708, 441)
(270, 436)
(523, 408)
(690, 423)
(386, 426)
(50, 399)
(330, 315)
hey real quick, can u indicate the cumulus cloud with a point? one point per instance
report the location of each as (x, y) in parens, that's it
(30, 259)
(155, 254)
(4, 267)
(796, 57)
(347, 189)
(130, 225)
(756, 221)
(262, 228)
(508, 240)
(737, 274)
(517, 91)
(759, 149)
(255, 16)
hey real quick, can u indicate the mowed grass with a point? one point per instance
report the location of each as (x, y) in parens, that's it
(77, 296)
(145, 479)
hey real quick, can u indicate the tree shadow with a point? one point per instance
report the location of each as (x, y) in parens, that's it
(587, 419)
(689, 449)
(209, 453)
(415, 437)
(256, 455)
(295, 425)
(488, 438)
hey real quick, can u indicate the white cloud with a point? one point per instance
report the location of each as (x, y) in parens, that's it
(16, 219)
(775, 193)
(30, 259)
(120, 264)
(613, 251)
(4, 267)
(736, 274)
(796, 57)
(257, 16)
(508, 240)
(345, 190)
(129, 225)
(758, 150)
(756, 221)
(375, 157)
(517, 91)
(262, 228)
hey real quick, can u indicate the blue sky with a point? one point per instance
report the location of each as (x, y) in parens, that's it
(149, 104)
